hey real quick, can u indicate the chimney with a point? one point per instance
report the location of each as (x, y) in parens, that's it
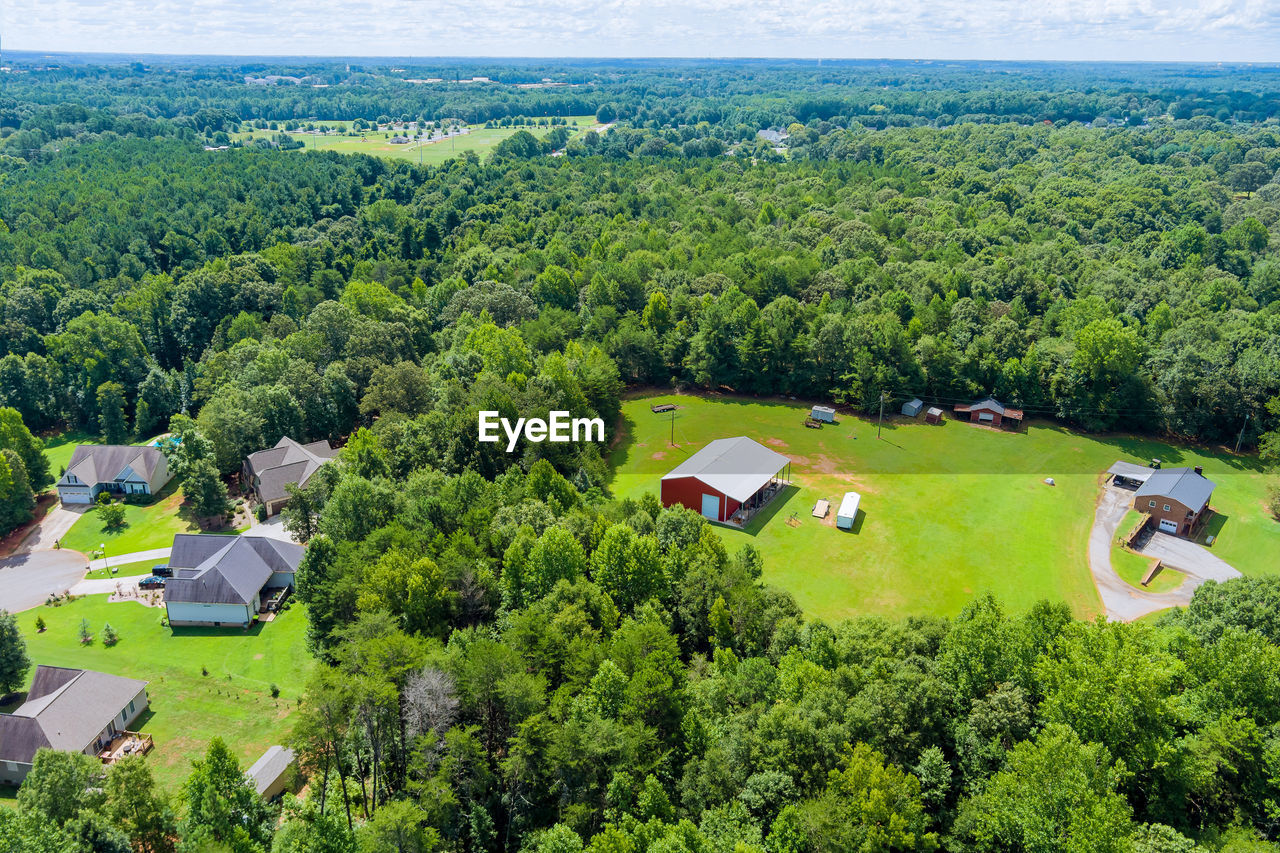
(1200, 470)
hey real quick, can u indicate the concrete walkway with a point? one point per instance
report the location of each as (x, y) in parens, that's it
(106, 586)
(1124, 603)
(156, 554)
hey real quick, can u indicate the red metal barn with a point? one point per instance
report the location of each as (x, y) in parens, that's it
(727, 475)
(991, 412)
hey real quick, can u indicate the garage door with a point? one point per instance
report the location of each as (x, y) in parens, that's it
(1168, 526)
(986, 417)
(711, 507)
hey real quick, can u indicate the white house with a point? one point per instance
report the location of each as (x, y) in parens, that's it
(120, 469)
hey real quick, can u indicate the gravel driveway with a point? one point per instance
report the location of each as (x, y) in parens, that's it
(1124, 603)
(26, 580)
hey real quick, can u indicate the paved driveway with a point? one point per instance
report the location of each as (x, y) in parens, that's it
(26, 580)
(272, 528)
(1187, 556)
(53, 527)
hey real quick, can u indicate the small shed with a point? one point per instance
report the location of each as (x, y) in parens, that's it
(848, 510)
(912, 408)
(270, 773)
(826, 414)
(933, 416)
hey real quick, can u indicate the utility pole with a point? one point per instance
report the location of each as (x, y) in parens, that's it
(881, 424)
(673, 427)
(1242, 429)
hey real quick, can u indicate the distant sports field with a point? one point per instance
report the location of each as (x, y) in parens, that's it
(478, 138)
(947, 511)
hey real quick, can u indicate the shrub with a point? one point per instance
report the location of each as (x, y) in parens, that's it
(109, 635)
(112, 515)
(261, 512)
(86, 636)
(275, 692)
(40, 626)
(1273, 498)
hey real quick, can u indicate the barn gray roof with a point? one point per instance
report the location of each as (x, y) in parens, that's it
(211, 569)
(1130, 471)
(65, 709)
(102, 463)
(1183, 485)
(270, 767)
(737, 467)
(287, 462)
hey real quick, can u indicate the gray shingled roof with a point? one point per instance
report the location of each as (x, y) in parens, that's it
(212, 569)
(102, 463)
(287, 462)
(65, 709)
(1183, 485)
(270, 767)
(737, 467)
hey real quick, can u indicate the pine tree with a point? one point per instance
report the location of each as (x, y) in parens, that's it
(14, 662)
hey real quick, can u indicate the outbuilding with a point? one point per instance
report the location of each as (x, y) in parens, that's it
(728, 480)
(848, 511)
(933, 416)
(913, 407)
(826, 414)
(991, 412)
(269, 775)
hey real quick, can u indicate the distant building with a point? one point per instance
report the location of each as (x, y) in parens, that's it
(227, 580)
(119, 469)
(72, 710)
(826, 414)
(991, 412)
(399, 140)
(267, 472)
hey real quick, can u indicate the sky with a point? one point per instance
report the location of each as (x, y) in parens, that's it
(1189, 30)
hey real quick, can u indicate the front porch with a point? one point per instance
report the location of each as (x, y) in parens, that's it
(753, 505)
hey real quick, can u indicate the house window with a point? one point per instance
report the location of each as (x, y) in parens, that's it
(1152, 504)
(1167, 507)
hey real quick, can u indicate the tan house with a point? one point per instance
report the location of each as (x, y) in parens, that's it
(267, 472)
(119, 469)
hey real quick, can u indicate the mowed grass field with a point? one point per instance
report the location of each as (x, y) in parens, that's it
(187, 708)
(947, 511)
(479, 139)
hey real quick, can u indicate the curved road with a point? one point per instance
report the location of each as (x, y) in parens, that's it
(1124, 603)
(27, 579)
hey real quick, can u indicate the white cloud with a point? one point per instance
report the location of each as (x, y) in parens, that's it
(1240, 30)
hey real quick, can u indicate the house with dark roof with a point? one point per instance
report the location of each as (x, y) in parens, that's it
(227, 580)
(73, 710)
(267, 472)
(728, 480)
(991, 412)
(120, 469)
(1175, 498)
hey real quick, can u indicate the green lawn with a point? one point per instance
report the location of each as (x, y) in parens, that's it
(1133, 567)
(58, 448)
(128, 570)
(947, 511)
(187, 708)
(479, 139)
(146, 526)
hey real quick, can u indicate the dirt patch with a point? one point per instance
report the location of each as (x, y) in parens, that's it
(259, 656)
(775, 442)
(658, 455)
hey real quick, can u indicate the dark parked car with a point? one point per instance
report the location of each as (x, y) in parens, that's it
(162, 571)
(151, 582)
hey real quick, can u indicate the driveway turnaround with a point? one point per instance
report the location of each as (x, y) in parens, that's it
(26, 580)
(1124, 603)
(51, 528)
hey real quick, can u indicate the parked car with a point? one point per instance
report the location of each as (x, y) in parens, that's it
(151, 582)
(162, 571)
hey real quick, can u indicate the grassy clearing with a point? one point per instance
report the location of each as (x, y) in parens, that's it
(146, 526)
(478, 138)
(187, 708)
(1133, 567)
(58, 448)
(128, 570)
(947, 511)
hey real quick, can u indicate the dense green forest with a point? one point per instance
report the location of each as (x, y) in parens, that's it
(509, 658)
